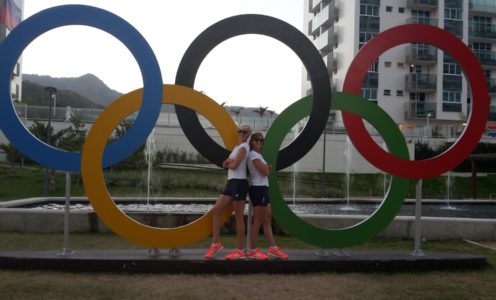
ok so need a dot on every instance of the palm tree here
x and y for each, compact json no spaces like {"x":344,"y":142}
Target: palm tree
{"x":261,"y":111}
{"x":237,"y":111}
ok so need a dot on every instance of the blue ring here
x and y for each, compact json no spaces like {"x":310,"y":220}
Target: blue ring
{"x":23,"y":34}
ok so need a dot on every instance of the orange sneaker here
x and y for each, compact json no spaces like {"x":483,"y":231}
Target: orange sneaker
{"x":277,"y":252}
{"x":212,"y":250}
{"x":236,"y":254}
{"x":257,"y":254}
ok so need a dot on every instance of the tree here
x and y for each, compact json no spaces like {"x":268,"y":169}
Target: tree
{"x":237,"y":111}
{"x":13,"y":156}
{"x":261,"y":111}
{"x":73,"y":137}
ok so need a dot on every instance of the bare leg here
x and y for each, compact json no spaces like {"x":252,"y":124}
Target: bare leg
{"x":267,"y":226}
{"x":239,"y":209}
{"x":255,"y":228}
{"x":219,"y":206}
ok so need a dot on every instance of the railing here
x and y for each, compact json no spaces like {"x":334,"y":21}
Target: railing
{"x":87,"y":115}
{"x":420,"y":82}
{"x":452,"y":107}
{"x":422,"y":20}
{"x":492,"y":113}
{"x":422,"y":4}
{"x":327,"y":40}
{"x":415,"y":110}
{"x":482,"y":30}
{"x":491,"y":84}
{"x":488,"y":6}
{"x":454,"y":26}
{"x":486,"y":58}
{"x":325,"y":17}
{"x":418,"y":53}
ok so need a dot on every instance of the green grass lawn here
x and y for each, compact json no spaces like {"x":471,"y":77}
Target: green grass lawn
{"x":458,"y":284}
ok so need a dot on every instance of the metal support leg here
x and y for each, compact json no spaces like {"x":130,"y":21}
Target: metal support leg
{"x":66,"y":250}
{"x":418,"y":224}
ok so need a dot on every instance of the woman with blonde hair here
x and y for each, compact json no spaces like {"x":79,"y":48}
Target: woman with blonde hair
{"x":235,"y":191}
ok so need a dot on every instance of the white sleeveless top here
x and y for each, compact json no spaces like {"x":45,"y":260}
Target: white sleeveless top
{"x":240,"y":171}
{"x":256,"y":177}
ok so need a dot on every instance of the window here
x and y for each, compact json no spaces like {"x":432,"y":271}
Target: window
{"x":450,"y":96}
{"x":452,"y":101}
{"x":401,"y":10}
{"x":387,"y":92}
{"x":370,"y":94}
{"x":374,"y":67}
{"x":453,"y":14}
{"x":400,"y":65}
{"x":387,"y":64}
{"x":389,"y":8}
{"x":417,"y":96}
{"x":422,"y":16}
{"x":399,"y":93}
{"x":369,"y":10}
{"x":364,"y":37}
{"x":452,"y":69}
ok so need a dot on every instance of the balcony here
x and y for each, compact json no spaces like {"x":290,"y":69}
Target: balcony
{"x":314,"y":5}
{"x":452,"y":107}
{"x":482,"y":31}
{"x":422,"y":20}
{"x":325,"y":18}
{"x":417,"y":82}
{"x":491,"y":85}
{"x":454,"y":26}
{"x":331,"y":63}
{"x":371,"y":80}
{"x":429,"y":5}
{"x":421,"y":54}
{"x":452,"y":82}
{"x":420,"y":110}
{"x":482,"y":6}
{"x":486,"y":58}
{"x":327,"y":41}
{"x":492,"y":113}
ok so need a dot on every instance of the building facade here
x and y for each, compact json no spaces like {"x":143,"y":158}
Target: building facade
{"x":11,"y":13}
{"x":419,"y":86}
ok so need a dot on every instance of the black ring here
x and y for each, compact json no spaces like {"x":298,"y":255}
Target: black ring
{"x":281,"y":31}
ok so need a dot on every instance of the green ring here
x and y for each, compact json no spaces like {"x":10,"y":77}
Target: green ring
{"x":368,"y":228}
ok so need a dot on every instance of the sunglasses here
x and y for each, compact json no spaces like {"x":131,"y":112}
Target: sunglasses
{"x":243,"y":131}
{"x":258,"y":140}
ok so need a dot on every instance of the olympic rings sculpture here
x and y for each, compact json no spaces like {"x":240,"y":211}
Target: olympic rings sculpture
{"x":97,"y":155}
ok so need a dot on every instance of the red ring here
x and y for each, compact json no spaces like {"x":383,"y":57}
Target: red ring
{"x":480,"y":103}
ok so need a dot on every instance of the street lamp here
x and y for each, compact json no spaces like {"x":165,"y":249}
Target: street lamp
{"x":51,"y":90}
{"x":427,"y":124}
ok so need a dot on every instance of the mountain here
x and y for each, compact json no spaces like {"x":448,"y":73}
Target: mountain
{"x":89,"y":86}
{"x":35,"y":94}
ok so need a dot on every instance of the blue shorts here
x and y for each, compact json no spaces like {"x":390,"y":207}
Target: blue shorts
{"x":259,"y":195}
{"x":236,"y":188}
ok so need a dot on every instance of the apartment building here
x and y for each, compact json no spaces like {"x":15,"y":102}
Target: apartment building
{"x":11,"y":12}
{"x":420,"y":87}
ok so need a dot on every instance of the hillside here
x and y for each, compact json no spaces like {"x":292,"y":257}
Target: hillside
{"x":34,"y":94}
{"x":88,"y":86}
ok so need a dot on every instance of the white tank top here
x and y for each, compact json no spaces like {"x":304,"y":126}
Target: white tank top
{"x":256,"y":177}
{"x":240,"y":171}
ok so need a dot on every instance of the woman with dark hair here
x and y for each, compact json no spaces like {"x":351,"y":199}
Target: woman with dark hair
{"x":259,"y":197}
{"x":235,"y":191}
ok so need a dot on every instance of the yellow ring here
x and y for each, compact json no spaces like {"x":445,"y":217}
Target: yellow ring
{"x":94,"y":183}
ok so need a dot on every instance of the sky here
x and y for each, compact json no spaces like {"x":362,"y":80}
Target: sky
{"x":248,"y":70}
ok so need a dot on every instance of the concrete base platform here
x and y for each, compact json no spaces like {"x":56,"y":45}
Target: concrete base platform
{"x":191,"y":261}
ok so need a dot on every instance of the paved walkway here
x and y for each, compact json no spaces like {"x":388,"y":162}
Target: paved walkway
{"x":191,"y":261}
